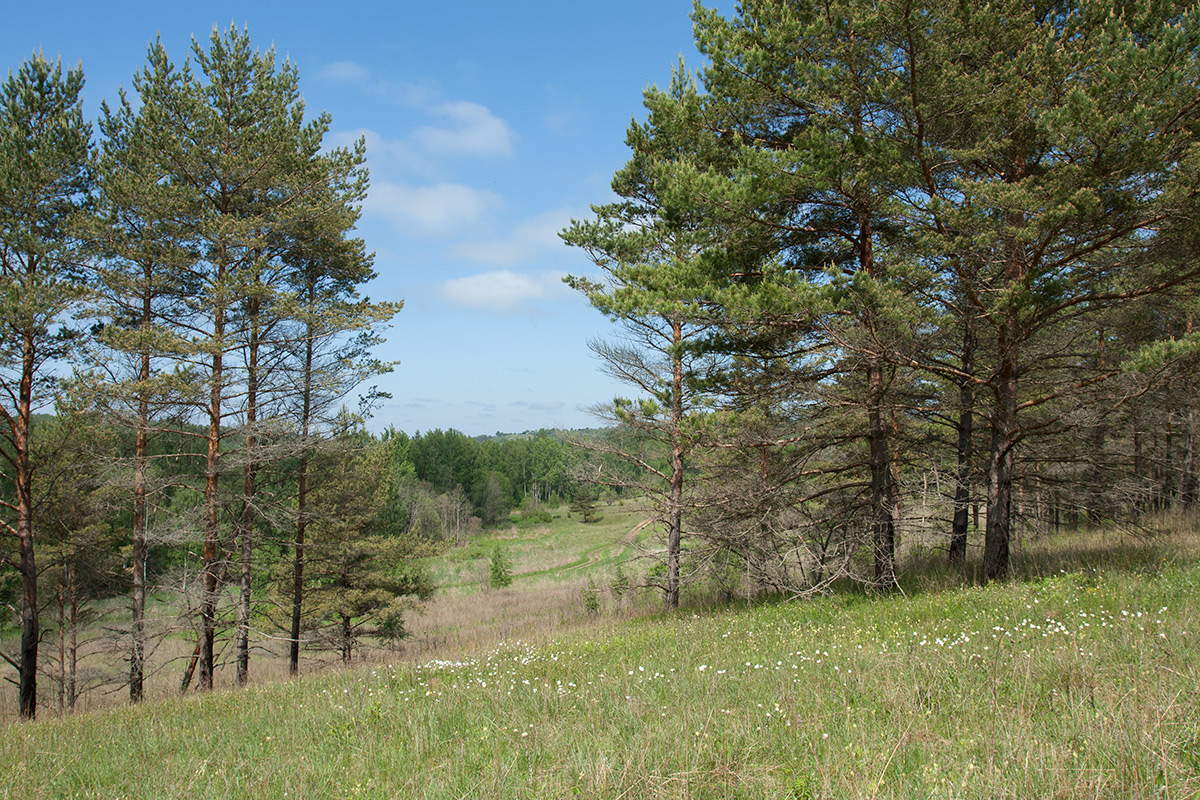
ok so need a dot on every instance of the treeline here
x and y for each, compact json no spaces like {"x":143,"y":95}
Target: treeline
{"x":896,"y":269}
{"x":452,"y":482}
{"x":194,"y":270}
{"x":359,"y":576}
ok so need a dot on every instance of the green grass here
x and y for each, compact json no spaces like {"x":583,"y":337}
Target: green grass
{"x":1082,"y":683}
{"x":562,"y":550}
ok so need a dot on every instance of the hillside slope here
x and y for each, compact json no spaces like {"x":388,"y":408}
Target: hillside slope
{"x":1082,"y":684}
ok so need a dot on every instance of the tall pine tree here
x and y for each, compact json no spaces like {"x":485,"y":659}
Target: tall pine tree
{"x":44,"y":176}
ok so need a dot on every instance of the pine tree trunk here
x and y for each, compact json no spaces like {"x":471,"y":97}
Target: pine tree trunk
{"x":1004,"y":385}
{"x":190,"y":669}
{"x":62,"y":641}
{"x":1000,"y":461}
{"x":883,"y":490}
{"x":137,"y":650}
{"x":675,"y":533}
{"x":246,"y":518}
{"x":30,"y":630}
{"x":73,"y":649}
{"x":208,"y":603}
{"x":883,"y":539}
{"x":1097,"y":493}
{"x":966,"y":424}
{"x":298,"y":565}
{"x":301,"y":506}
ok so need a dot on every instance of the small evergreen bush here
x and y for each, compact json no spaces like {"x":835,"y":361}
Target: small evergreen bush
{"x":500,"y":573}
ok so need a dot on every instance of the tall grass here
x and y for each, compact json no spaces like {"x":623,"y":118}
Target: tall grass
{"x":1081,"y":683}
{"x":552,"y":564}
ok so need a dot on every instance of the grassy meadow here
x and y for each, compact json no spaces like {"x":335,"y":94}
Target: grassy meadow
{"x":554,"y":552}
{"x":553,"y":563}
{"x":1080,"y":680}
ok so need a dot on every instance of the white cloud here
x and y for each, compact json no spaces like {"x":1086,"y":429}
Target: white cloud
{"x":346,"y":138}
{"x":411,"y":94}
{"x":535,"y":235}
{"x":473,"y":131}
{"x":437,"y":210}
{"x":344,"y":72}
{"x":502,"y":290}
{"x":381,"y":151}
{"x":466,"y":129}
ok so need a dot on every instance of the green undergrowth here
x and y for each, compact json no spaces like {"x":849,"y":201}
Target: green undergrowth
{"x":1079,"y":684}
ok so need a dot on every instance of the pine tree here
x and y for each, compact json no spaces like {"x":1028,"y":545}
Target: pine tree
{"x":583,"y":503}
{"x":234,"y":143}
{"x":651,"y":245}
{"x":360,"y":581}
{"x":139,"y":236}
{"x":44,"y":176}
{"x":499,"y":568}
{"x":333,"y":329}
{"x":924,"y":167}
{"x":80,"y":554}
{"x":1068,"y":131}
{"x":818,"y":170}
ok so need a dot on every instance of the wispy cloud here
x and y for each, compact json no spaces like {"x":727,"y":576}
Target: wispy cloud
{"x":355,"y":74}
{"x":456,"y":129}
{"x":344,"y":72}
{"x":381,"y":151}
{"x":438,"y":210}
{"x":503,"y":291}
{"x":547,"y":405}
{"x":565,"y":113}
{"x":473,"y":130}
{"x":530,"y":238}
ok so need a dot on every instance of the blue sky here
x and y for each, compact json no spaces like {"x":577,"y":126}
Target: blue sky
{"x":488,"y":124}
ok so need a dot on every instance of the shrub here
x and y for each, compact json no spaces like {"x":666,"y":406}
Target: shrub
{"x":591,"y":597}
{"x":500,"y":573}
{"x":619,"y":585}
{"x":533,"y":513}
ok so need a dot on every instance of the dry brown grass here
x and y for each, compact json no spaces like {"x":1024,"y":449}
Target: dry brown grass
{"x":452,"y":624}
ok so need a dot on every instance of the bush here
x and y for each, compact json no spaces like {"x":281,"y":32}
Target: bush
{"x":533,"y":513}
{"x":591,"y":597}
{"x":500,"y":573}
